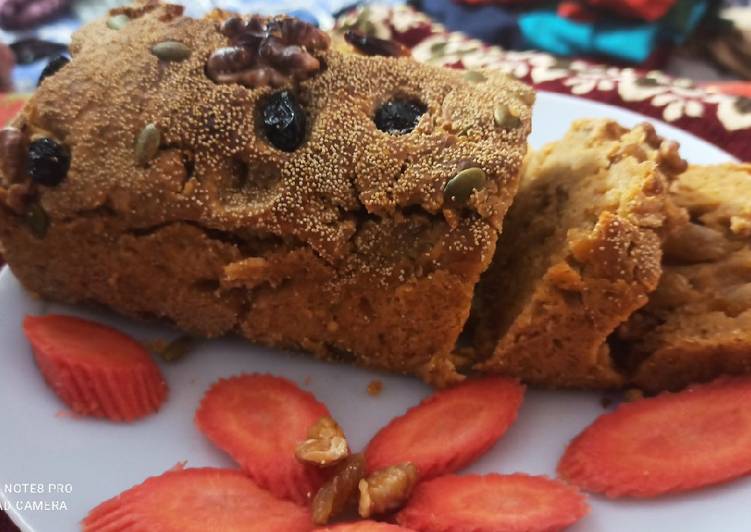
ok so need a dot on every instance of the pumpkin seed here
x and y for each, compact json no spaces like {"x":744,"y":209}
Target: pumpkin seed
{"x":437,"y":49}
{"x":505,"y":118}
{"x":475,"y":76}
{"x":171,"y":51}
{"x":460,"y":187}
{"x":37,"y":220}
{"x":147,"y":144}
{"x":118,"y":22}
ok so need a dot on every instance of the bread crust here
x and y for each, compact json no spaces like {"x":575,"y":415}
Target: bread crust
{"x":345,"y":247}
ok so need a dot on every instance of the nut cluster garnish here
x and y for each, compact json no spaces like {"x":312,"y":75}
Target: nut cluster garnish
{"x":334,"y":496}
{"x":387,"y":489}
{"x":325,"y":446}
{"x":267,"y":51}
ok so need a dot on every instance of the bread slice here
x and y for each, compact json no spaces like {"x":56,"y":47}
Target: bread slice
{"x":697,"y":324}
{"x":580,"y":251}
{"x":304,"y":198}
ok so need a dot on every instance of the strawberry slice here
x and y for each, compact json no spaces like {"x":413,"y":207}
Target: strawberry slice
{"x":364,"y":526}
{"x":670,"y":443}
{"x":259,"y":420}
{"x":493,"y":503}
{"x":449,"y":429}
{"x":197,"y":500}
{"x":96,"y":370}
{"x":10,"y":106}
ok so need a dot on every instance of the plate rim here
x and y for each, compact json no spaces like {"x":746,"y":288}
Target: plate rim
{"x":17,"y":517}
{"x":638,"y":116}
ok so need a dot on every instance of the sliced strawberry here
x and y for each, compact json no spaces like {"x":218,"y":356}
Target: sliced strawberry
{"x":96,"y":370}
{"x":449,"y":429}
{"x":364,"y":526}
{"x":10,"y":106}
{"x":259,"y":420}
{"x":493,"y":503}
{"x":197,"y":500}
{"x":672,"y":442}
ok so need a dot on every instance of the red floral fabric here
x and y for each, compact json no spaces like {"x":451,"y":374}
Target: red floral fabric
{"x":717,"y":117}
{"x":649,"y":10}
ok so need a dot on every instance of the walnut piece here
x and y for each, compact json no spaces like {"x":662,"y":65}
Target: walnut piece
{"x":267,"y":51}
{"x":325,"y":446}
{"x":333,"y":497}
{"x":386,"y":489}
{"x":669,"y":155}
{"x":372,"y":45}
{"x":650,"y":135}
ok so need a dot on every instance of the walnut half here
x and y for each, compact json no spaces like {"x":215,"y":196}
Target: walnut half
{"x":267,"y":51}
{"x":386,"y":489}
{"x":325,"y":446}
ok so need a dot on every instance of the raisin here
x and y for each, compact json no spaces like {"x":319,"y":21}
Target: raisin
{"x":47,"y":162}
{"x":52,"y":67}
{"x":399,"y":116}
{"x":284,"y":121}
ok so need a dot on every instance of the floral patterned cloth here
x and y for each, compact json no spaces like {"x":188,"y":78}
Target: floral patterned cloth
{"x":719,"y":118}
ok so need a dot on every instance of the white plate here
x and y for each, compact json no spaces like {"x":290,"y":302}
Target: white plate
{"x":99,"y":459}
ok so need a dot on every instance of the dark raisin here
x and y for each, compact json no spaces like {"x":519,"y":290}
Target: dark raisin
{"x":52,"y":67}
{"x":284,"y":121}
{"x":47,"y":162}
{"x":399,"y":116}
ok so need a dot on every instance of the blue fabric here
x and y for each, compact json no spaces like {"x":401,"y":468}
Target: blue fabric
{"x":626,"y":40}
{"x":489,"y":23}
{"x":25,"y":77}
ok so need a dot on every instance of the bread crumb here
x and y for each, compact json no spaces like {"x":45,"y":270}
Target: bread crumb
{"x":632,"y":394}
{"x":66,"y":414}
{"x":155,"y":346}
{"x":375,"y":387}
{"x":179,"y":466}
